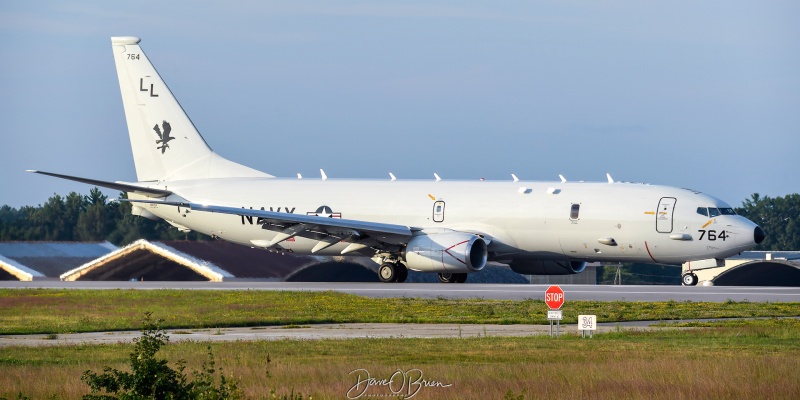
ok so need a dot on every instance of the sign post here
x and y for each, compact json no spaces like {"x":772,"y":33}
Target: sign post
{"x":587,"y":323}
{"x":554,"y":298}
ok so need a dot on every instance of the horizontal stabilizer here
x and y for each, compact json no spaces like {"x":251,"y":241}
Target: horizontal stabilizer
{"x":125,"y":187}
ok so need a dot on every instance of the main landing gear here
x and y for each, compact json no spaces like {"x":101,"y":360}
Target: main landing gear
{"x":393,"y":272}
{"x":397,"y":272}
{"x":452,"y":278}
{"x":689,"y":279}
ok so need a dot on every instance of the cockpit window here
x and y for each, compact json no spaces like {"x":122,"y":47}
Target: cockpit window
{"x":714,"y":212}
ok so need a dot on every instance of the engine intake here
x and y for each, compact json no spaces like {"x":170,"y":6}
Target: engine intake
{"x":449,"y":252}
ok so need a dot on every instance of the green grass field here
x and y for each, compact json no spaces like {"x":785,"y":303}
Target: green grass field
{"x":759,"y":359}
{"x":63,"y":311}
{"x":731,"y":359}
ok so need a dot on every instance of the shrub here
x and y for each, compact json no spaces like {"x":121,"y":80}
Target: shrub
{"x":152,"y":378}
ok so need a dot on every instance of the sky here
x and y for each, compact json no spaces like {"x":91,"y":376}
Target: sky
{"x":702,"y":95}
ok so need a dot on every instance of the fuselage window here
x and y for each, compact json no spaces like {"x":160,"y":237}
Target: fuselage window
{"x":702,"y":211}
{"x":574,"y":211}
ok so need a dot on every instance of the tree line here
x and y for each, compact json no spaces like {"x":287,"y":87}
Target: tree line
{"x":778,"y":216}
{"x":92,"y":217}
{"x":79,"y":217}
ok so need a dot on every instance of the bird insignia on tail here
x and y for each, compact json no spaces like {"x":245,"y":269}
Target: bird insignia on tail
{"x":163,"y":138}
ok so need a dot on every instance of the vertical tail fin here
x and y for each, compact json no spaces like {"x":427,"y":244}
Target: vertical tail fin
{"x":165,"y":143}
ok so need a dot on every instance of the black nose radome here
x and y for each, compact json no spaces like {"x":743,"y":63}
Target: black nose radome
{"x":759,"y":235}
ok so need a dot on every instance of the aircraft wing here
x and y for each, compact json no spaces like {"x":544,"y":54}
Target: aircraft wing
{"x":329,"y":231}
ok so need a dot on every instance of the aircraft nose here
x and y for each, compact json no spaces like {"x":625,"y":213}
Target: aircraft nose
{"x":759,"y":235}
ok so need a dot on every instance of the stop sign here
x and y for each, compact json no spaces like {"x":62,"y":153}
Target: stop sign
{"x":554,"y":297}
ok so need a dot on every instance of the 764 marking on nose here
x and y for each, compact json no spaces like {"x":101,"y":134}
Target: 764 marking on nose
{"x":712,"y":235}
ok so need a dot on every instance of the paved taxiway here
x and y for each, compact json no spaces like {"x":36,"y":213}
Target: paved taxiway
{"x":310,"y":332}
{"x":326,"y":331}
{"x":487,"y":291}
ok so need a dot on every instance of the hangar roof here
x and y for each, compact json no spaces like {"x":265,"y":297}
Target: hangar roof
{"x":762,"y":255}
{"x":241,"y":261}
{"x":41,"y":260}
{"x":143,"y":258}
{"x":187,"y":260}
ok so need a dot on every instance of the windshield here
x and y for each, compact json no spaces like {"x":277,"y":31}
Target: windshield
{"x":714,"y":212}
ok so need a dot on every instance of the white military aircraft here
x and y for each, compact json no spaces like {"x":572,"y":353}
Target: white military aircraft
{"x":452,"y":228}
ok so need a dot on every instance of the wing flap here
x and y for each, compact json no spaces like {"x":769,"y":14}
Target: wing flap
{"x":287,"y":234}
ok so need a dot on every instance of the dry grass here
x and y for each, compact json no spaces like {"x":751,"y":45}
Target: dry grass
{"x":753,"y":361}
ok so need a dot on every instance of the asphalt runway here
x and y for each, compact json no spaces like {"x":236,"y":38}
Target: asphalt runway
{"x":458,"y":291}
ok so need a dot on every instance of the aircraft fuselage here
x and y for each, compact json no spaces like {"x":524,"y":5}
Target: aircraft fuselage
{"x":546,"y":220}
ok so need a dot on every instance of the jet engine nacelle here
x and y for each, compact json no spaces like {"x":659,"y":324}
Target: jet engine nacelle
{"x":547,"y":267}
{"x":448,"y":252}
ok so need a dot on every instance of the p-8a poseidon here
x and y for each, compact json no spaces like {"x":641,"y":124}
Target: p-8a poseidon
{"x":452,"y":228}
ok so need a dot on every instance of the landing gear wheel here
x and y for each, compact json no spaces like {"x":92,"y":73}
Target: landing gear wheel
{"x":402,"y":272}
{"x":446,"y":277}
{"x":689,"y":279}
{"x":388,"y":272}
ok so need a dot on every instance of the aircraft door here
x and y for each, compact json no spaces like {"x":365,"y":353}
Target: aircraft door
{"x":666,"y":207}
{"x":438,"y":211}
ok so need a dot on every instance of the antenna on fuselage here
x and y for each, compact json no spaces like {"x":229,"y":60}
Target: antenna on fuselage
{"x":299,"y":176}
{"x":435,"y":175}
{"x":515,"y":178}
{"x":610,"y":179}
{"x":391,"y":175}
{"x":562,"y":178}
{"x":322,"y":172}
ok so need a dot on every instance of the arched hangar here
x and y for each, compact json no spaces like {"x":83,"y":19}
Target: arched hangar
{"x":761,"y":273}
{"x":144,"y":260}
{"x":751,"y":268}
